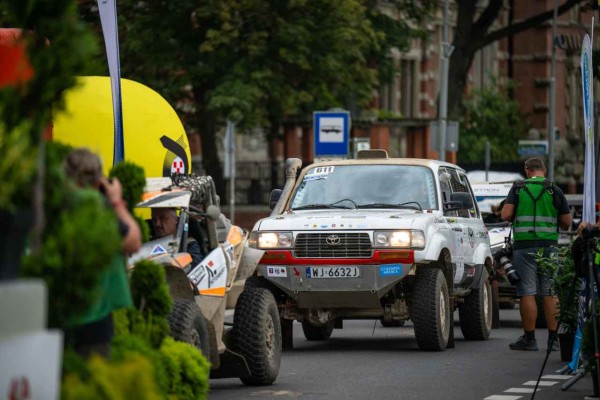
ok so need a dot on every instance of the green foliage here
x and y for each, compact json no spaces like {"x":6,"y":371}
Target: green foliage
{"x":144,"y":228}
{"x":397,"y":23}
{"x":133,"y":180}
{"x":565,"y":284}
{"x":74,"y":254}
{"x":125,"y":345}
{"x":187,"y":370}
{"x":57,"y":51}
{"x":17,"y":165}
{"x":149,"y":289}
{"x":131,"y":378}
{"x":491,"y":115}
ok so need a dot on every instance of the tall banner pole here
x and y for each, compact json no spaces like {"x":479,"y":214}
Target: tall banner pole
{"x":589,"y":186}
{"x":108,"y":19}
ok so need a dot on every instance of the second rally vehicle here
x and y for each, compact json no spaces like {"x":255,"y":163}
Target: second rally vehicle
{"x":377,"y":238}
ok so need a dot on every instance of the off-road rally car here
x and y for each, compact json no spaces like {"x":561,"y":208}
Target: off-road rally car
{"x":249,"y":349}
{"x":377,"y":238}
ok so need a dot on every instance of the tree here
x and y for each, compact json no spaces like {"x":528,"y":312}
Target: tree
{"x":257,"y":62}
{"x":491,"y":115}
{"x":473,"y":33}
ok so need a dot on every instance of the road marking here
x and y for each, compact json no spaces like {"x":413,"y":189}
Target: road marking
{"x":542,"y":383}
{"x":520,"y":390}
{"x":557,"y":377}
{"x":502,"y":397}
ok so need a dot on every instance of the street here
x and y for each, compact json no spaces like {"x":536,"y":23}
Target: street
{"x":368,"y":361}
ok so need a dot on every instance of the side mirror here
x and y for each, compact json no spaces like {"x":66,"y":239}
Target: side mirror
{"x":274,"y":197}
{"x":459,"y":201}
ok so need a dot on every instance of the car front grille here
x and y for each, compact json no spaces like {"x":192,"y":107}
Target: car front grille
{"x":333,"y":245}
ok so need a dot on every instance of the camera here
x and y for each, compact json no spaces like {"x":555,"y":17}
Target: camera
{"x":503,"y":258}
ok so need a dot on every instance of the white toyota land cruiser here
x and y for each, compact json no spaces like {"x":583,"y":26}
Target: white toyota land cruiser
{"x":377,"y":238}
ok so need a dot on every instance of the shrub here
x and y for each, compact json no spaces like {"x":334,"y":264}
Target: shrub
{"x":187,"y":370}
{"x":130,"y":378}
{"x":74,"y":254}
{"x":133,"y":180}
{"x":149,"y":289}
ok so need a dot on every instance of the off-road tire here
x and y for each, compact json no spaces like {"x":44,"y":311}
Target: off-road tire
{"x":431,"y":309}
{"x":540,"y":322}
{"x":395,"y":323}
{"x":257,"y":335}
{"x":188,"y":325}
{"x":313,"y":332}
{"x":475,"y":312}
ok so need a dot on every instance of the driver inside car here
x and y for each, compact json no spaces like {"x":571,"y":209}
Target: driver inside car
{"x":164,"y":221}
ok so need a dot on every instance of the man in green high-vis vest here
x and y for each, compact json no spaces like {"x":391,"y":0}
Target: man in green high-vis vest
{"x":537,"y":208}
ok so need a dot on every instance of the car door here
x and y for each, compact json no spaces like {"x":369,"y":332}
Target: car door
{"x":463,"y":223}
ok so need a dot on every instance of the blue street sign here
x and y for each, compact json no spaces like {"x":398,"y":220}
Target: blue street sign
{"x":332,"y":133}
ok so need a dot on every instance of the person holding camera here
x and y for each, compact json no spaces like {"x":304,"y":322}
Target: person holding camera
{"x":93,"y":331}
{"x":537,"y":208}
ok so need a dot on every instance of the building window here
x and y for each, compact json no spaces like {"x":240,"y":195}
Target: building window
{"x":408,"y":88}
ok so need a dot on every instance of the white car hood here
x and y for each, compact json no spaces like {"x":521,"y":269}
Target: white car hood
{"x":342,"y":219}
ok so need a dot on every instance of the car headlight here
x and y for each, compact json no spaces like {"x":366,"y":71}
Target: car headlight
{"x":271,"y":240}
{"x":399,"y":239}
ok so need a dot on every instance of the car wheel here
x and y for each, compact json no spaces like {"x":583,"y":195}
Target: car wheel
{"x":431,"y":309}
{"x":188,"y":325}
{"x":313,"y":332}
{"x":475,"y":312}
{"x":257,"y":335}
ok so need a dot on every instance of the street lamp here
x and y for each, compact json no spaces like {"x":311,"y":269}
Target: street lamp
{"x":445,"y":55}
{"x":551,"y":131}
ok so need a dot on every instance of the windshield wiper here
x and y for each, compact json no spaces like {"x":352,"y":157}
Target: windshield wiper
{"x":413,"y":205}
{"x":310,"y":206}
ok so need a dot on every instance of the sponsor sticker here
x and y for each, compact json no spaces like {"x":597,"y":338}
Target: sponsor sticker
{"x":279,"y":272}
{"x":158,"y":249}
{"x":390,"y":270}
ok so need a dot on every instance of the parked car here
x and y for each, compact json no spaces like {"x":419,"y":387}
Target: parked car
{"x":388,"y":239}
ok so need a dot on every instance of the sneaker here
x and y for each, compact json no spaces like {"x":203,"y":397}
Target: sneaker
{"x":554,"y":346}
{"x":523,"y":344}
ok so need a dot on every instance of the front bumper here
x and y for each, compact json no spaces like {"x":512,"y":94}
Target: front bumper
{"x":377,"y":276}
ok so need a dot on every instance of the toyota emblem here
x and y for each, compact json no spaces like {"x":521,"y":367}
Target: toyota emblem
{"x":333,"y":240}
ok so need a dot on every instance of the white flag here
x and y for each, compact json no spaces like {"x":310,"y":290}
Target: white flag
{"x":108,"y":19}
{"x":589,"y":175}
{"x":229,"y":151}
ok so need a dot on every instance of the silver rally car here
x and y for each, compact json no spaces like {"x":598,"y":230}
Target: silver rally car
{"x":377,"y":238}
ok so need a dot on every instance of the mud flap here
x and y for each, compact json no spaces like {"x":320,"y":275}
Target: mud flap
{"x":287,"y":334}
{"x":450,"y":344}
{"x":495,"y":306}
{"x":233,"y":365}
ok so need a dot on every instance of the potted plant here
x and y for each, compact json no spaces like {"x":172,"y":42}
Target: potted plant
{"x":565,"y":284}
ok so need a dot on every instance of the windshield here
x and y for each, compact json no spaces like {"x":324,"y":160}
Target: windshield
{"x":366,"y":186}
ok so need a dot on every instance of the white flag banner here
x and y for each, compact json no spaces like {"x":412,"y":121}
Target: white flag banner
{"x":108,"y":19}
{"x":229,"y":151}
{"x":589,"y":175}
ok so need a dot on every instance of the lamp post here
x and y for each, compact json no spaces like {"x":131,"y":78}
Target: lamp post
{"x":551,"y":131}
{"x":443,"y":107}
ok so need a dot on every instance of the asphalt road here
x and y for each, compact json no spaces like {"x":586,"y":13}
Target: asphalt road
{"x":367,"y":361}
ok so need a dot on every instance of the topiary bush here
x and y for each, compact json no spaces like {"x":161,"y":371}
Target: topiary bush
{"x":149,"y":289}
{"x":75,"y":252}
{"x":187,"y":370}
{"x":132,"y":377}
{"x":133,"y":180}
